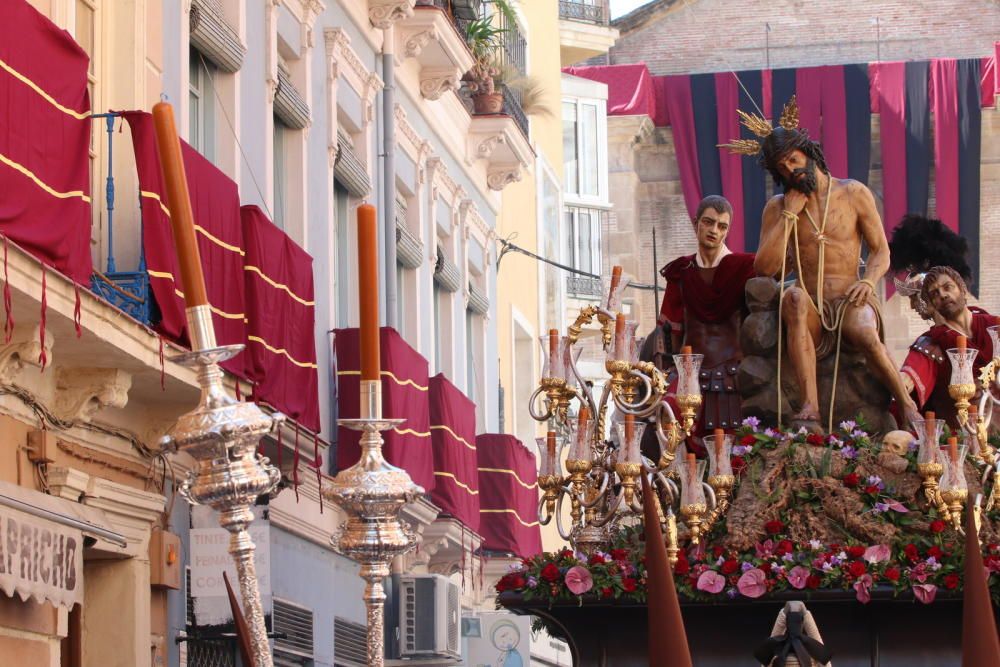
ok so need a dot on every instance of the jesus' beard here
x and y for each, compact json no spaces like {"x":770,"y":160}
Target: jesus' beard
{"x":807,"y":184}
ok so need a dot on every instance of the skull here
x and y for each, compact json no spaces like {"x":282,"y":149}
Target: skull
{"x":897,"y":442}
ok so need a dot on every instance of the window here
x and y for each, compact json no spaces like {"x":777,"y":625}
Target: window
{"x":201,"y":106}
{"x":85,"y":32}
{"x":279,"y":173}
{"x":583,"y":245}
{"x":470,"y":355}
{"x":549,"y":242}
{"x":439,"y":296}
{"x":583,"y":151}
{"x":344,"y":248}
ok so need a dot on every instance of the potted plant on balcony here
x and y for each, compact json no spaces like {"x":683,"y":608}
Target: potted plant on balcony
{"x":486,"y":40}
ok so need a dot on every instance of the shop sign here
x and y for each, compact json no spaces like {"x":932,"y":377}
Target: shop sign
{"x":40,"y":559}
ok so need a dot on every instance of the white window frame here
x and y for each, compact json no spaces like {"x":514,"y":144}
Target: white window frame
{"x":201,"y":134}
{"x":545,"y":171}
{"x":573,"y":234}
{"x":601,"y":198}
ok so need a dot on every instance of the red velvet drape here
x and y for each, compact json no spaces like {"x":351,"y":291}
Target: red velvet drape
{"x":508,"y":496}
{"x":453,"y":439}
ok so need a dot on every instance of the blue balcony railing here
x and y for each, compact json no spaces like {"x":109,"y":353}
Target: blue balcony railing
{"x":127,"y":290}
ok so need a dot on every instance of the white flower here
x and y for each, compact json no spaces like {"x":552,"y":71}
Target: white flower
{"x":816,"y":545}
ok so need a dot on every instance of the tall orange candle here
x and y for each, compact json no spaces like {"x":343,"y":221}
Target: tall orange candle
{"x":583,"y":416}
{"x":929,"y":416}
{"x":553,"y":350}
{"x":962,"y":343}
{"x":179,"y":201}
{"x":550,"y":445}
{"x":368,"y":291}
{"x":691,"y":466}
{"x":953,"y":449}
{"x":616,"y":277}
{"x":686,"y":349}
{"x":720,"y":441}
{"x":629,"y":429}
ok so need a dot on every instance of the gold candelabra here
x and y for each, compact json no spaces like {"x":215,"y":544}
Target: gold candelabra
{"x":372,"y":493}
{"x":601,"y":475}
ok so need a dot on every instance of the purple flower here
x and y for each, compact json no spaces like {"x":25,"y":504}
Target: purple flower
{"x":751,"y":422}
{"x":858,"y":434}
{"x":815,"y":545}
{"x":788,"y":558}
{"x":532,"y":582}
{"x":849,"y":453}
{"x":879,"y":508}
{"x":834,"y":441}
{"x":914,"y":445}
{"x":770,"y":432}
{"x":875,"y":480}
{"x":740,"y":450}
{"x":746,"y":566}
{"x":732,"y":593}
{"x":848,"y":425}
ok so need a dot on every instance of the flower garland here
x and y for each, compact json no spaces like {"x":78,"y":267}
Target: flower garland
{"x":923,"y":563}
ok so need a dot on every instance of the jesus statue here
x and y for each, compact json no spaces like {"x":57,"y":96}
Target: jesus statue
{"x":816,"y":229}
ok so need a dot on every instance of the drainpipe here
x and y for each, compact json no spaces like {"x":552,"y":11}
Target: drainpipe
{"x":389,"y":173}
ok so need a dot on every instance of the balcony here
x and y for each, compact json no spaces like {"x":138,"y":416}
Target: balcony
{"x":434,"y":38}
{"x":500,"y":141}
{"x":584,"y":287}
{"x":584,"y":30}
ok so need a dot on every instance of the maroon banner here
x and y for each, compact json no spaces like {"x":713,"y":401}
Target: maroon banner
{"x":508,"y":496}
{"x":44,"y":141}
{"x":453,"y":439}
{"x":281,"y":343}
{"x":215,"y":200}
{"x":404,"y":396}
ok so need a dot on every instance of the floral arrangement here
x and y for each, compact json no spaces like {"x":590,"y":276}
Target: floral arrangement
{"x":928,"y":558}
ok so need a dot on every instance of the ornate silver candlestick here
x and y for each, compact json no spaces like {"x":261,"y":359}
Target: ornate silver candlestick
{"x":372,"y":492}
{"x":221,"y":434}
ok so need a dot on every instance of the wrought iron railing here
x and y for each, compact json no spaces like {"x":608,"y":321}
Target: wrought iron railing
{"x":573,"y":10}
{"x":127,"y":290}
{"x":512,"y":107}
{"x":584,"y":287}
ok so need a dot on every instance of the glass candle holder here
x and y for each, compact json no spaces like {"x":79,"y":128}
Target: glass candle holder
{"x":994,"y":332}
{"x":952,"y":458}
{"x":688,"y":367}
{"x":692,"y":472}
{"x":963,"y":365}
{"x":614,"y":289}
{"x":624,"y":346}
{"x":629,"y":439}
{"x":928,"y":436}
{"x":570,"y":357}
{"x":548,"y":455}
{"x":580,"y":432}
{"x":552,"y":358}
{"x":720,"y":450}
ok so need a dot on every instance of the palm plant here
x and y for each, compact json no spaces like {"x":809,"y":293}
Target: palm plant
{"x":486,"y":40}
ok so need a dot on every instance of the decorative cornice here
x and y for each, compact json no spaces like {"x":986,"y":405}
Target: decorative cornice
{"x":383,"y":13}
{"x":338,"y":49}
{"x":416,"y":42}
{"x":81,"y":392}
{"x":486,"y":147}
{"x":25,"y":348}
{"x":436,"y":82}
{"x":499,"y":178}
{"x":439,"y":177}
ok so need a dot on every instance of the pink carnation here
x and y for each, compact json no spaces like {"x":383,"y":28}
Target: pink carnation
{"x":925,"y":592}
{"x":797,"y":577}
{"x":711,"y":581}
{"x":877,"y":553}
{"x":578,"y":580}
{"x":753,"y":583}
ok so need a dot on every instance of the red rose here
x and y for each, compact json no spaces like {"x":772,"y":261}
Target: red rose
{"x":774,"y":527}
{"x":856,"y":551}
{"x":892,"y":574}
{"x":607,"y":592}
{"x":951,"y":581}
{"x":629,"y":584}
{"x":597,"y":559}
{"x":937,"y":526}
{"x":813,"y":581}
{"x":550,"y":572}
{"x":717,"y":551}
{"x":871,"y":490}
{"x":936,"y":552}
{"x":851,"y":480}
{"x":565,"y":553}
{"x":911,"y":552}
{"x":739,"y":464}
{"x":765,"y":568}
{"x":619,"y":554}
{"x":682,"y":566}
{"x":748,"y":440}
{"x":815,"y":439}
{"x":857,"y":568}
{"x":730,"y":566}
{"x":784,"y":547}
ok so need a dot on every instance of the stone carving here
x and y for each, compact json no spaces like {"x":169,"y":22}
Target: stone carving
{"x":81,"y":392}
{"x":857,"y":394}
{"x":416,"y":42}
{"x":500,"y":178}
{"x":25,"y":347}
{"x":383,"y":13}
{"x":435,"y":83}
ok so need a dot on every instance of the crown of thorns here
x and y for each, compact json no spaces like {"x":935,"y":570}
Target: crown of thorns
{"x":762,"y":128}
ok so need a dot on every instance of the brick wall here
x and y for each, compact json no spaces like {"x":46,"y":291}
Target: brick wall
{"x":680,"y":38}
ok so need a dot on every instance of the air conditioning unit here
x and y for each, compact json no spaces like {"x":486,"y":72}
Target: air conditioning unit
{"x":429,"y":617}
